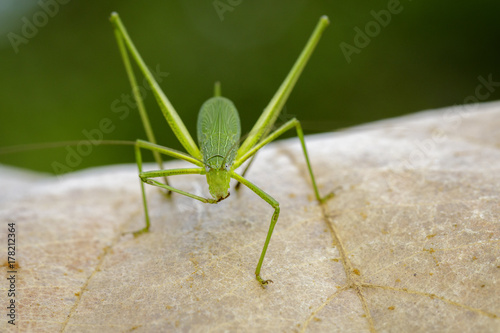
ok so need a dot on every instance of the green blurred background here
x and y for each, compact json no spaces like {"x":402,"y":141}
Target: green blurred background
{"x":64,"y":79}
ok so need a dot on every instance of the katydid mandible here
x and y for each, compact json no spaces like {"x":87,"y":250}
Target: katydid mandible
{"x":218,"y":154}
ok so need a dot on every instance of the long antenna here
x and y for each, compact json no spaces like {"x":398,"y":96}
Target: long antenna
{"x":49,"y":145}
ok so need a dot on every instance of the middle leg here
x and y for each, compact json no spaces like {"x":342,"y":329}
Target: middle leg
{"x":285,"y":127}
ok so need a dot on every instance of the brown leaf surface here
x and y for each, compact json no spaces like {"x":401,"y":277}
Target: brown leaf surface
{"x":409,"y":243}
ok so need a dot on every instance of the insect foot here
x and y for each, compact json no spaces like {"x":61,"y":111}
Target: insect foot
{"x":140,"y":232}
{"x":263,"y":282}
{"x":327,"y":197}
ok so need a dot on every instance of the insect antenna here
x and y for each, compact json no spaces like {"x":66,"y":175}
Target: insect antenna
{"x":49,"y":145}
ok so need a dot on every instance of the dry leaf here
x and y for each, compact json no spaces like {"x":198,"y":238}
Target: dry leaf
{"x":409,"y":243}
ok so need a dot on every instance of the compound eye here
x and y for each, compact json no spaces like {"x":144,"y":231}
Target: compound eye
{"x":227,"y":167}
{"x":207,"y":168}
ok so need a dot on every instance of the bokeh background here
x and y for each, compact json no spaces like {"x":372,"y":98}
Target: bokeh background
{"x":65,"y":78}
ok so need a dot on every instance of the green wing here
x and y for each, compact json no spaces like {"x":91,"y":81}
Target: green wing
{"x":219,"y":132}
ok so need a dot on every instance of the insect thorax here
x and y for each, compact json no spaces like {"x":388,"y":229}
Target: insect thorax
{"x":219,"y":132}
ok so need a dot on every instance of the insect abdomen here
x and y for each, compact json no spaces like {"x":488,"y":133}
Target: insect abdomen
{"x":219,"y":132}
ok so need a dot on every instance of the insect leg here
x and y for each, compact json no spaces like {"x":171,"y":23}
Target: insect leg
{"x":275,"y":204}
{"x":168,"y":151}
{"x":145,"y":176}
{"x":138,"y":98}
{"x":166,"y":107}
{"x":273,"y":109}
{"x":285,"y":127}
{"x":237,"y":186}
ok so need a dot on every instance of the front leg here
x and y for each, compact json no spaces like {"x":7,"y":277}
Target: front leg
{"x":275,"y":204}
{"x":146,"y":177}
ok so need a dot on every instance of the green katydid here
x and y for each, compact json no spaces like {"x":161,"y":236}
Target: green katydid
{"x":218,"y":155}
